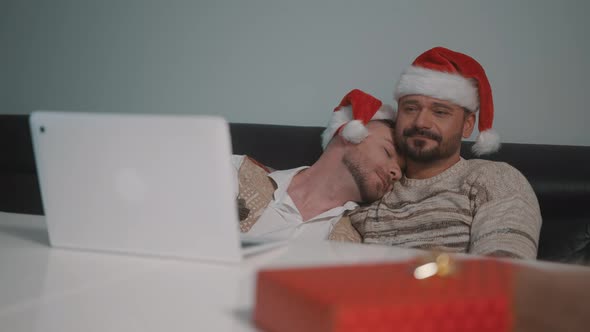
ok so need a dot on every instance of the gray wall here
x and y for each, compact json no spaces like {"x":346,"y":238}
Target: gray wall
{"x":6,"y":61}
{"x":290,"y":62}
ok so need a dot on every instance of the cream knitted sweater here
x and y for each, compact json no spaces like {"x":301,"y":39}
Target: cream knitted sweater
{"x":476,"y":206}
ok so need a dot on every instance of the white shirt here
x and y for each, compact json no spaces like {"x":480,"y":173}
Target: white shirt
{"x":282,"y":220}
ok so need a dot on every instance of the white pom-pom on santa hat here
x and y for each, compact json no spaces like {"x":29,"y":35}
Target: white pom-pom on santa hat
{"x":355,"y":131}
{"x":349,"y":118}
{"x":444,"y":74}
{"x":487,"y":141}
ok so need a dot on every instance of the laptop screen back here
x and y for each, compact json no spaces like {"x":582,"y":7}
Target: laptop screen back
{"x":143,"y":184}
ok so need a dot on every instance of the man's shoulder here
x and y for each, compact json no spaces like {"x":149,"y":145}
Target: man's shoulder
{"x":491,"y":169}
{"x":255,"y":191}
{"x":498,"y":177}
{"x":248,"y":161}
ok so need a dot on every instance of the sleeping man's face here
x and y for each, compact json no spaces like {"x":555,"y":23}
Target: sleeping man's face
{"x":374,"y":163}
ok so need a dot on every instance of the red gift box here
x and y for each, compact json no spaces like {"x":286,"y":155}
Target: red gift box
{"x":385,"y":297}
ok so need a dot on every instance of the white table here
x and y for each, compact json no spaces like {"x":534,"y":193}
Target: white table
{"x":46,"y":289}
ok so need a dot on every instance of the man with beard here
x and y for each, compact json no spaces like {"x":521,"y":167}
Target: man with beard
{"x":444,"y":202}
{"x":358,"y":165}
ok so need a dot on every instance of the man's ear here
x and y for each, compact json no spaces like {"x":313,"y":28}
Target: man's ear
{"x":468,"y":124}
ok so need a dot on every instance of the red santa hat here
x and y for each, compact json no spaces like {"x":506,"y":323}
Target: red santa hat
{"x":444,"y":74}
{"x":349,"y":118}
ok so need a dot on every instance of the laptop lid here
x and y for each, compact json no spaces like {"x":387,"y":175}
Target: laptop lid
{"x":142,"y":184}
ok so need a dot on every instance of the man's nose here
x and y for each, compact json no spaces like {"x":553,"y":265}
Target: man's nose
{"x":395,"y":173}
{"x":422,"y":119}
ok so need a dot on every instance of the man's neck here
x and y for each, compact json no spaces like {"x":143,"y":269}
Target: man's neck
{"x":319,"y":189}
{"x":420,"y":170}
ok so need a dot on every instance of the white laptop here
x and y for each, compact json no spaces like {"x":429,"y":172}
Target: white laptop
{"x":141,"y":184}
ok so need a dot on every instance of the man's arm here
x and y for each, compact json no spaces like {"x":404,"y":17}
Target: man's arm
{"x":507,"y":219}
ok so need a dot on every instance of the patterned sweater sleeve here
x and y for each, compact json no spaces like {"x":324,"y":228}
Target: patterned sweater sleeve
{"x":507,"y":218}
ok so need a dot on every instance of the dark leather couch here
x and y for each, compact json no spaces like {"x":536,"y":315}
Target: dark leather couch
{"x":560,"y":176}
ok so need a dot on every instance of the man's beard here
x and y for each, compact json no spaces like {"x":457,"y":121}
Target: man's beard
{"x":360,"y":178}
{"x":444,"y":149}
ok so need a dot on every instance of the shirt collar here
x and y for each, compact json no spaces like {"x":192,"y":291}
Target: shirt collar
{"x":283,"y":180}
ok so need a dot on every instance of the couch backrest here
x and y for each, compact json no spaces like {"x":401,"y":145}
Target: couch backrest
{"x":19,"y":189}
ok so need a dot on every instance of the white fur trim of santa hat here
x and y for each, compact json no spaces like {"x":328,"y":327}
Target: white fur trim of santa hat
{"x":338,"y":119}
{"x":353,"y":131}
{"x":440,"y":85}
{"x":385,"y":112}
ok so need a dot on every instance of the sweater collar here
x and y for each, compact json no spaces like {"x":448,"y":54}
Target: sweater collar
{"x":457,"y":167}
